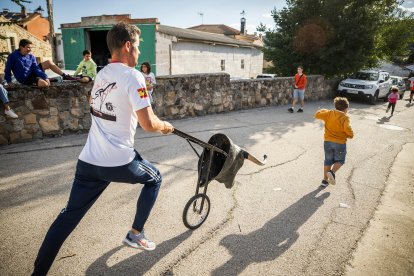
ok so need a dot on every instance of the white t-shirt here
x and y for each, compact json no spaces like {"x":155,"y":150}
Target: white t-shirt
{"x":149,"y":79}
{"x":118,"y":92}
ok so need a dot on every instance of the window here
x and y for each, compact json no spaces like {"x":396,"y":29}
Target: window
{"x":12,"y":44}
{"x":223,"y":65}
{"x":242,"y":64}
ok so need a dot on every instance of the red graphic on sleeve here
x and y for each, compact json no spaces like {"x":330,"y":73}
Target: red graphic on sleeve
{"x":143,"y":93}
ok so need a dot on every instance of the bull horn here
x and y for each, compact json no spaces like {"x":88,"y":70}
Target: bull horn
{"x":254,"y":159}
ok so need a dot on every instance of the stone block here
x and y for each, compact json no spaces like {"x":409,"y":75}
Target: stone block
{"x":40,"y":102}
{"x":43,"y":112}
{"x":26,"y":135}
{"x":53,"y":111}
{"x":3,"y":140}
{"x":77,"y":112}
{"x":16,"y":125}
{"x":14,"y":137}
{"x":49,"y":125}
{"x":74,"y":124}
{"x":30,"y":119}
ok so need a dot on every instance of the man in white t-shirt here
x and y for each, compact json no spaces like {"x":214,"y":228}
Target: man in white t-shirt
{"x":119,"y":100}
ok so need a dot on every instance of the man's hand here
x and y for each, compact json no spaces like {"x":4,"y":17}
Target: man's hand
{"x":168,"y":128}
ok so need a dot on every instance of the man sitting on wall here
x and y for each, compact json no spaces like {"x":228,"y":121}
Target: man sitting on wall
{"x":25,"y":68}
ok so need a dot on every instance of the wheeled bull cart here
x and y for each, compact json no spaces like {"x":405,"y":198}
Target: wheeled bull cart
{"x":220,"y":160}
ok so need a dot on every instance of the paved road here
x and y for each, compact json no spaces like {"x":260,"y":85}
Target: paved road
{"x":275,"y":221}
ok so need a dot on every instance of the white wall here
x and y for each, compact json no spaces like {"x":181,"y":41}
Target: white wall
{"x":59,"y":50}
{"x":190,"y":58}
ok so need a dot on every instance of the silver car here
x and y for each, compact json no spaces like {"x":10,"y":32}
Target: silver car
{"x":399,"y":82}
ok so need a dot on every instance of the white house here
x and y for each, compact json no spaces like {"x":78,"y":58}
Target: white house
{"x":185,"y":51}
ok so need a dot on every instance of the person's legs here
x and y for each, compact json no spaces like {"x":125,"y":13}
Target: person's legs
{"x":85,"y":191}
{"x":329,"y":159}
{"x":84,"y":79}
{"x":294,"y":101}
{"x":392,"y":108}
{"x":48,"y":64}
{"x":3,"y":96}
{"x":411,"y":95}
{"x":388,"y":108}
{"x":42,"y":83}
{"x":301,"y":96}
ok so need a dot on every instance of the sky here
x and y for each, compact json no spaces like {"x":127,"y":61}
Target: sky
{"x":177,"y":13}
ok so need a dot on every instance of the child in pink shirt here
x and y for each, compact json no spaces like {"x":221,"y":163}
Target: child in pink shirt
{"x":392,"y":99}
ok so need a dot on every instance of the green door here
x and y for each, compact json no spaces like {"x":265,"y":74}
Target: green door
{"x":147,"y":46}
{"x":73,"y":46}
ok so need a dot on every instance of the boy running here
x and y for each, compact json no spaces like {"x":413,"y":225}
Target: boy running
{"x":337,"y":131}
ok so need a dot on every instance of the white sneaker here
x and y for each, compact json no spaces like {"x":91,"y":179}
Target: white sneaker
{"x":11,"y":113}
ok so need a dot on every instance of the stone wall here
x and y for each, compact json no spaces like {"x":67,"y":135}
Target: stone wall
{"x":53,"y":111}
{"x":181,"y":96}
{"x":64,"y":107}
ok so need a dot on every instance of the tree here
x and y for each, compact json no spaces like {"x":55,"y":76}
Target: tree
{"x":329,"y":37}
{"x":3,"y":55}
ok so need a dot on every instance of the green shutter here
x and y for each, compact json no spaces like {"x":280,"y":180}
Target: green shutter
{"x":73,"y":46}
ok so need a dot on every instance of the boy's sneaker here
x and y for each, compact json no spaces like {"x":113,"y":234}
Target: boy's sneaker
{"x":11,"y":113}
{"x":324,"y":183}
{"x":300,"y":110}
{"x":68,"y":77}
{"x":291,"y":110}
{"x":139,"y":241}
{"x":331,"y":177}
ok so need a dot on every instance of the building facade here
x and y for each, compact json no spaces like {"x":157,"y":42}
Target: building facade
{"x":13,"y":34}
{"x":169,"y":50}
{"x":184,"y":51}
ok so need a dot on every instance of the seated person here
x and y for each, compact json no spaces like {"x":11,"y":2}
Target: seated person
{"x":7,"y":110}
{"x":25,"y":68}
{"x":87,"y":68}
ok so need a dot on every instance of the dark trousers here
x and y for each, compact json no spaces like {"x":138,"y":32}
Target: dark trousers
{"x":392,"y":105}
{"x":89,"y":183}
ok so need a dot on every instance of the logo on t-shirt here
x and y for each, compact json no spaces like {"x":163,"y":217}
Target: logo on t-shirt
{"x":99,"y":98}
{"x":142,"y":92}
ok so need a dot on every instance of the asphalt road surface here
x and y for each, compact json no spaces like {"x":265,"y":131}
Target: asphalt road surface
{"x":276,"y":220}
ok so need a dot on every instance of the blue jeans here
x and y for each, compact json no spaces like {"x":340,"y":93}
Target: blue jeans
{"x":89,"y":183}
{"x":334,"y":153}
{"x":299,"y":94}
{"x":3,"y":94}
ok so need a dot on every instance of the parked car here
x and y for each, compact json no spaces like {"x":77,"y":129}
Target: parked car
{"x":399,"y":82}
{"x":266,"y":76}
{"x":367,"y":84}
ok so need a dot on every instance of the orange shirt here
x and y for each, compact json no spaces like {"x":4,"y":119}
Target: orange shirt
{"x":337,"y":127}
{"x":300,"y":81}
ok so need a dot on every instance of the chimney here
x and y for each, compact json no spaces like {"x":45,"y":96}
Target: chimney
{"x":24,"y":11}
{"x":243,"y":23}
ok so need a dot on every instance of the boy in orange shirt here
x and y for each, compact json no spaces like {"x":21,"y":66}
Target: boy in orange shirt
{"x":300,"y":82}
{"x":337,"y":131}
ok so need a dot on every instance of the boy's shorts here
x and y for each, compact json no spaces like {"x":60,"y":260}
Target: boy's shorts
{"x":299,"y":94}
{"x":334,"y":153}
{"x":33,"y":79}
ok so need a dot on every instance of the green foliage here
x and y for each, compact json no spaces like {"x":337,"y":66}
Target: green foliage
{"x":335,"y":37}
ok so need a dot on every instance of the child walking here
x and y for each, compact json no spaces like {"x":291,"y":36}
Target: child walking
{"x":392,"y":99}
{"x":337,"y":131}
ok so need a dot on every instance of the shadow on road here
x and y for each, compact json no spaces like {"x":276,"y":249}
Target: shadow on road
{"x":384,"y":119}
{"x":139,"y":262}
{"x":274,"y":238}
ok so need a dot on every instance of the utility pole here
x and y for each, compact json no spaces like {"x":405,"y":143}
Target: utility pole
{"x":202,"y":17}
{"x":52,"y":36}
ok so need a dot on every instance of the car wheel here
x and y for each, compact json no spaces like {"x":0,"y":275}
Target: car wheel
{"x":373,"y":99}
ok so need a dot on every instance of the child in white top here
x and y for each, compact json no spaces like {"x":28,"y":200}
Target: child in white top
{"x":149,"y":78}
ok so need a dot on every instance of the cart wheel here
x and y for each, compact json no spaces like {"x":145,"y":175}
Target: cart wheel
{"x":196,"y":211}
